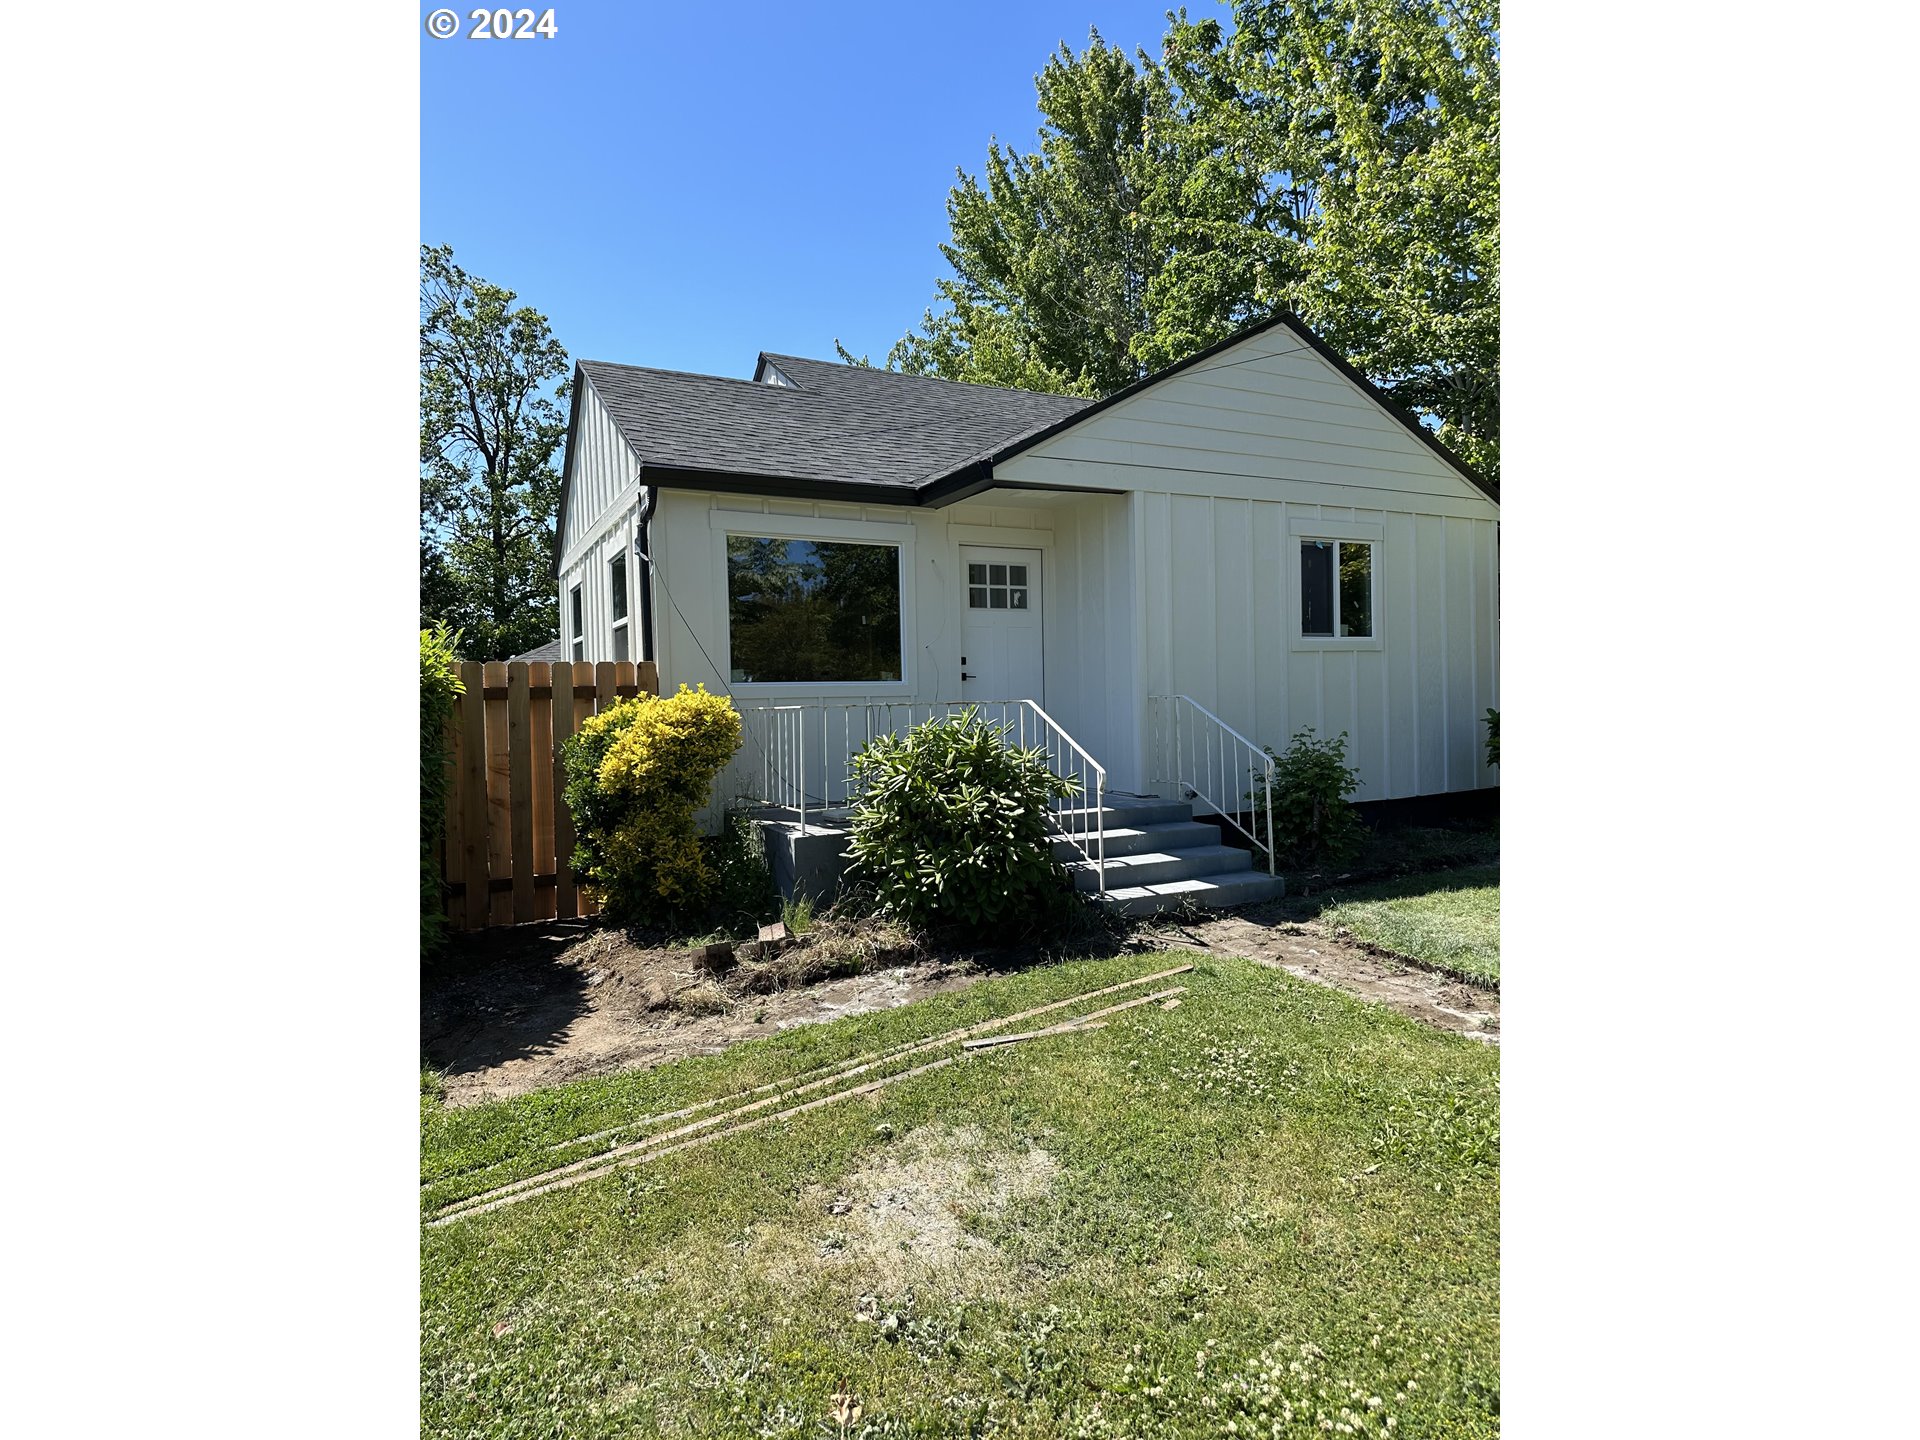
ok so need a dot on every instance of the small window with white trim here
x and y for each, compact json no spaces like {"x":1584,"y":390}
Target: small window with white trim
{"x":617,"y":574}
{"x":579,"y":626}
{"x":1336,"y":589}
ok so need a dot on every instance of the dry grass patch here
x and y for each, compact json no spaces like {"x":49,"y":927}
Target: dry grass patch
{"x":907,"y":1212}
{"x":830,"y":949}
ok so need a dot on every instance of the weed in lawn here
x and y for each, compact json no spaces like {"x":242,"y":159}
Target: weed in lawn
{"x":797,"y":914}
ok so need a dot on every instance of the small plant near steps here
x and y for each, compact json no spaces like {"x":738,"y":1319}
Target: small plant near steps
{"x":1159,"y":858}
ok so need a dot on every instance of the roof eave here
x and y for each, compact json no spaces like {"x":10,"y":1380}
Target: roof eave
{"x":790,"y":487}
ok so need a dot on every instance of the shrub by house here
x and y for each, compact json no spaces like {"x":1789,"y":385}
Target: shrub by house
{"x":1312,"y":818}
{"x":951,"y":827}
{"x":637,"y":773}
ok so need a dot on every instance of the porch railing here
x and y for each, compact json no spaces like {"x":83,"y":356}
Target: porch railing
{"x":800,"y":758}
{"x":1193,"y":748}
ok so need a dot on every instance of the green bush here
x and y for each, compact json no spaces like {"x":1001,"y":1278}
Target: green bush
{"x":951,"y":827}
{"x":1493,"y":737}
{"x":1312,"y":820}
{"x":636,"y":774}
{"x":439,"y":687}
{"x":743,"y":894}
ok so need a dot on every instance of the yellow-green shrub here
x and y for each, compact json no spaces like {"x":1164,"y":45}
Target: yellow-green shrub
{"x":636,"y":774}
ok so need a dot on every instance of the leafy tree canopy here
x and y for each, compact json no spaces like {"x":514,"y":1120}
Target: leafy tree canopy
{"x":491,"y":429}
{"x":1339,"y":158}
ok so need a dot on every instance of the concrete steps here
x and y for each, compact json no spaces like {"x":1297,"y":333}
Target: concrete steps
{"x":1139,"y":839}
{"x":1159,"y":858}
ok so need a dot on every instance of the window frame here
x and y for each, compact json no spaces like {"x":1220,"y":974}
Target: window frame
{"x":618,"y":629}
{"x":577,"y":613}
{"x":1336,"y":533}
{"x":754,"y":525}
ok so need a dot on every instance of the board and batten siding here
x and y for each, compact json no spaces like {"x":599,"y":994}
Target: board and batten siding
{"x":603,"y":496}
{"x":601,"y":471}
{"x":1220,"y":462}
{"x":1091,"y":665}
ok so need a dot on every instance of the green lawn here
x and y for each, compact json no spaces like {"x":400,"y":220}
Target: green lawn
{"x":1270,"y":1205}
{"x":1450,"y":918}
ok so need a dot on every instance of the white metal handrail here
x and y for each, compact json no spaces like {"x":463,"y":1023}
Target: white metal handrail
{"x":1195,"y":749}
{"x":803,"y":757}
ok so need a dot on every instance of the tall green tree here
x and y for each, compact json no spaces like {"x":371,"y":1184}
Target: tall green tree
{"x":1339,"y":158}
{"x":491,"y":428}
{"x":1372,"y":131}
{"x":1057,"y":254}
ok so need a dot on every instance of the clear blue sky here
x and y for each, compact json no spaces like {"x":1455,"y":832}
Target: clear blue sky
{"x":685,"y":186}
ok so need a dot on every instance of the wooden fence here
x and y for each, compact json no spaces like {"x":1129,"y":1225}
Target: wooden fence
{"x":509,"y":836}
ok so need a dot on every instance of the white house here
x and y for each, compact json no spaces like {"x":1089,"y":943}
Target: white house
{"x":1247,"y":544}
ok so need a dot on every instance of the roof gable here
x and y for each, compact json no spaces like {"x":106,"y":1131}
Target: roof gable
{"x":978,"y":472}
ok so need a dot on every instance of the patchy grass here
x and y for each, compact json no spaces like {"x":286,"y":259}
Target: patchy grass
{"x":1272,"y":1206}
{"x":1451,"y":918}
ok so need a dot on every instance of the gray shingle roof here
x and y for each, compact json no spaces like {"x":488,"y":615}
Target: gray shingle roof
{"x":842,"y":423}
{"x":549,"y":651}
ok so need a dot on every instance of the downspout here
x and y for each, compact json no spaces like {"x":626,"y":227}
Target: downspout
{"x":649,"y":495}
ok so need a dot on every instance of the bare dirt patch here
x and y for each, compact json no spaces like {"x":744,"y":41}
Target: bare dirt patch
{"x":907,"y":1210}
{"x":535,"y":1005}
{"x":903,"y":1222}
{"x":520,"y":1009}
{"x":1267,"y":936}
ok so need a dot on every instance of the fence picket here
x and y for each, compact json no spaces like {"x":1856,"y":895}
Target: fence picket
{"x":450,"y":857}
{"x":564,"y":905}
{"x":499,"y":795}
{"x":520,"y":791}
{"x":540,"y":746}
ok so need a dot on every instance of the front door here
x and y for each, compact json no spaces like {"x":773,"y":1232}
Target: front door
{"x":1000,"y":630}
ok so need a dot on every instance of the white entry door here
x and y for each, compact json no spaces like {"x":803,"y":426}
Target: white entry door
{"x":1000,"y":630}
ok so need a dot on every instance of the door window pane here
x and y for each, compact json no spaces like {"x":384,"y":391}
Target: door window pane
{"x":1356,"y":589}
{"x":1016,"y":574}
{"x":998,"y":600}
{"x":804,"y":611}
{"x":996,"y":574}
{"x":977,"y":595}
{"x":1016,"y":598}
{"x":976,"y":574}
{"x":1316,"y":587}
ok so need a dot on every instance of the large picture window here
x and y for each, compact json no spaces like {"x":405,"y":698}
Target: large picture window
{"x":812,"y":611}
{"x":1336,"y":589}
